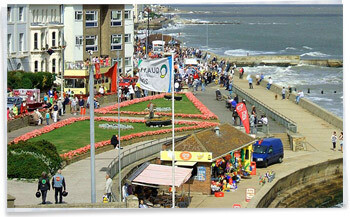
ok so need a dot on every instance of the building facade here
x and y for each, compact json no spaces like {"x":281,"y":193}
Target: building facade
{"x":46,"y":38}
{"x":18,"y":37}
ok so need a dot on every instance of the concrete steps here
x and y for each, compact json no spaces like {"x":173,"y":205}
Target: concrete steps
{"x":284,"y":138}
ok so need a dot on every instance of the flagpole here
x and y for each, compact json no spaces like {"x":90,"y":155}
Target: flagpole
{"x":173,"y":127}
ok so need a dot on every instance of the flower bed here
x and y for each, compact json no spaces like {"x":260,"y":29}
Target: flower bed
{"x":206,"y":114}
{"x":192,"y":125}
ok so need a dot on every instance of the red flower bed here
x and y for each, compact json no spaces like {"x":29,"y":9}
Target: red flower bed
{"x":206,"y":113}
{"x":193,"y":126}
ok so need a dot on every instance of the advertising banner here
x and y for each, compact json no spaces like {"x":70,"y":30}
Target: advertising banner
{"x":155,"y":74}
{"x":243,"y":114}
{"x":186,"y":156}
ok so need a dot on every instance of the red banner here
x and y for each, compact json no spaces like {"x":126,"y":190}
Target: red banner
{"x":112,"y":73}
{"x":97,"y":69}
{"x":243,"y":114}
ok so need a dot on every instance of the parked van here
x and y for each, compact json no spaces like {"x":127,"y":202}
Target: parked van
{"x":268,"y":151}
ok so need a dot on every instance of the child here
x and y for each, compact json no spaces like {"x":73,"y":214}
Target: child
{"x":47,"y":116}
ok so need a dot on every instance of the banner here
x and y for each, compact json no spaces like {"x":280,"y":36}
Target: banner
{"x":186,"y":156}
{"x":155,"y":74}
{"x":243,"y":114}
{"x":112,"y":73}
{"x":97,"y":69}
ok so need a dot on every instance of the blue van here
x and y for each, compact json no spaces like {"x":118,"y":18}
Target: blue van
{"x":268,"y":151}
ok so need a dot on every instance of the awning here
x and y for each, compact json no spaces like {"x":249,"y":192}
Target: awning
{"x":185,"y":163}
{"x":155,"y":174}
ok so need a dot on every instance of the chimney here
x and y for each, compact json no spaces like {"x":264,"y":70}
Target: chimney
{"x":217,"y":131}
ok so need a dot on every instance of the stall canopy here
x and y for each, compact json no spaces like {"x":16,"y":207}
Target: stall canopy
{"x":154,"y":174}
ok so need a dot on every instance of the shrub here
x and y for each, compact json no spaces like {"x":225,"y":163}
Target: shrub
{"x":29,"y":80}
{"x":29,"y":159}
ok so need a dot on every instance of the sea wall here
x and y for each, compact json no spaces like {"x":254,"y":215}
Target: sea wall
{"x":290,"y":189}
{"x":276,"y":60}
{"x":308,"y":105}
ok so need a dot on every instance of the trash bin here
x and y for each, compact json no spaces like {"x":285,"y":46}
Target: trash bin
{"x":253,"y":166}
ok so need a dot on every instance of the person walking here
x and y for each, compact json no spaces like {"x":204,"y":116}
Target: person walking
{"x":58,"y":183}
{"x":43,"y":186}
{"x":334,"y":140}
{"x":115,"y":142}
{"x":250,"y":81}
{"x":55,"y":112}
{"x":108,"y":187}
{"x":290,"y":91}
{"x":341,"y":141}
{"x":269,"y":83}
{"x":283,"y":93}
{"x":47,"y":116}
{"x":81,"y":105}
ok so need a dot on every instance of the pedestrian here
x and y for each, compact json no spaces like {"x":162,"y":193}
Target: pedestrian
{"x":47,"y":116}
{"x":43,"y":186}
{"x":341,"y":141}
{"x":151,"y":108}
{"x":108,"y":187}
{"x":58,"y":183}
{"x":142,"y":205}
{"x":257,"y":78}
{"x":283,"y":93}
{"x":290,"y":91}
{"x":81,"y":105}
{"x":241,"y":72}
{"x":334,"y":140}
{"x":55,"y":112}
{"x":268,"y":86}
{"x":250,"y":81}
{"x":115,"y":142}
{"x":203,"y":83}
{"x":101,"y":90}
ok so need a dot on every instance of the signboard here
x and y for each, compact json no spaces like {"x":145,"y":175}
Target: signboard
{"x":249,"y":194}
{"x":201,"y":173}
{"x":186,"y":156}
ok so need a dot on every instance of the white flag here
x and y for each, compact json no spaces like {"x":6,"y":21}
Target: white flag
{"x":155,"y":74}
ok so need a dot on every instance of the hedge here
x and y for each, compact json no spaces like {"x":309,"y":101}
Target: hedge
{"x":30,"y":80}
{"x":29,"y":159}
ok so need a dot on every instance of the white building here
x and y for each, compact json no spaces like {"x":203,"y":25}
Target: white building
{"x":45,"y":35}
{"x":129,"y":38}
{"x":17,"y":37}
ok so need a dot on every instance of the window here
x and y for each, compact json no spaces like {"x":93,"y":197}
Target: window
{"x":120,"y":63}
{"x":78,"y":40}
{"x":78,"y":16}
{"x":35,"y":41}
{"x":116,"y":18}
{"x":127,"y":61}
{"x":20,"y":14}
{"x":51,"y":15}
{"x":127,"y":38}
{"x":9,"y":17}
{"x":36,"y":65}
{"x":53,"y":39}
{"x":127,"y":14}
{"x":91,"y":19}
{"x":116,"y":42}
{"x":74,"y":83}
{"x":9,"y":43}
{"x":91,"y":43}
{"x":53,"y":65}
{"x":20,"y":42}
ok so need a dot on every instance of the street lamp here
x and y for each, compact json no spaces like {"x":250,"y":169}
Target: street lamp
{"x":119,"y":166}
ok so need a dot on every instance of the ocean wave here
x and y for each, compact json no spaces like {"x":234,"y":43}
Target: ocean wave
{"x":267,"y":23}
{"x":315,"y":54}
{"x":317,"y":99}
{"x":307,"y":48}
{"x":290,"y":48}
{"x":242,"y":52}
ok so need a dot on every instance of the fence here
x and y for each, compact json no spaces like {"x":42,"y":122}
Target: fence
{"x":139,"y":152}
{"x":275,"y":115}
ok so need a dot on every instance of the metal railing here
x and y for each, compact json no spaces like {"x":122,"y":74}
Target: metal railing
{"x":275,"y":115}
{"x":139,"y":152}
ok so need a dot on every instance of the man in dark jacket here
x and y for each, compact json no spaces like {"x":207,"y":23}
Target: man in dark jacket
{"x":43,"y":186}
{"x":65,"y":102}
{"x":57,"y":183}
{"x":115,"y":142}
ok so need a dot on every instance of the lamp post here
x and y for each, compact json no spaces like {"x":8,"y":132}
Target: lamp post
{"x":119,"y":162}
{"x":92,"y":130}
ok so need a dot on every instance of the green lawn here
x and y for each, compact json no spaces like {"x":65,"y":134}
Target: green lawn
{"x":77,"y":135}
{"x":184,"y":106}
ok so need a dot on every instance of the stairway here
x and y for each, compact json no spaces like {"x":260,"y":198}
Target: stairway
{"x":284,"y":138}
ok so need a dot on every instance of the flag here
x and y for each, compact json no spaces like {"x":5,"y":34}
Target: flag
{"x":155,"y":74}
{"x":97,"y":70}
{"x":112,"y":73}
{"x":243,"y":114}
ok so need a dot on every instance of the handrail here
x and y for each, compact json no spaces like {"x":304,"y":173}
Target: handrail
{"x":275,"y":115}
{"x":138,"y":152}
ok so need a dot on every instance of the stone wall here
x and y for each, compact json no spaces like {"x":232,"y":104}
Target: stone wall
{"x":270,"y":195}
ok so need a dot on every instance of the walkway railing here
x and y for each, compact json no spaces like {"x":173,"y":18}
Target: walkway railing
{"x":275,"y":115}
{"x":139,"y":152}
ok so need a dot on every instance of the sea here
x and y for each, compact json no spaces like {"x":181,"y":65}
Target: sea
{"x":311,"y":31}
